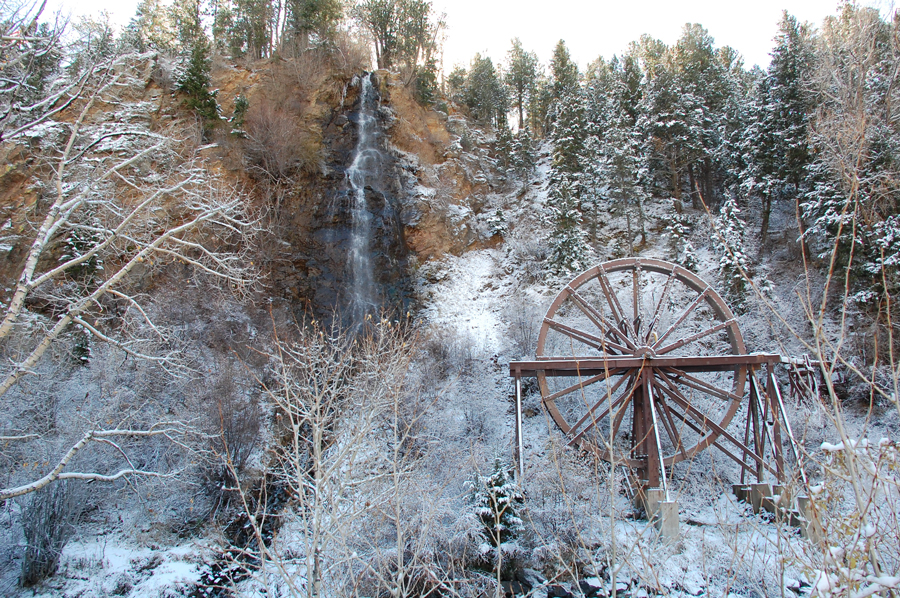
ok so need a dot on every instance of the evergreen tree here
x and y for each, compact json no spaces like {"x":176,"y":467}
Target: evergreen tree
{"x":521,"y":77}
{"x":195,"y":82}
{"x":503,"y":146}
{"x":568,"y":135}
{"x":569,"y":251}
{"x":539,"y":106}
{"x":622,"y":169}
{"x":778,"y":130}
{"x":151,"y":27}
{"x":681,"y":251}
{"x":672,"y":123}
{"x":615,"y":170}
{"x":563,"y":72}
{"x":44,"y":65}
{"x":185,"y":20}
{"x":405,"y":32}
{"x":244,"y":28}
{"x":852,"y":204}
{"x":483,"y":93}
{"x":94,"y":43}
{"x":497,"y":502}
{"x":306,"y":18}
{"x":523,"y":158}
{"x":734,"y":265}
{"x":427,"y":92}
{"x":456,"y":84}
{"x":241,"y":105}
{"x":499,"y":225}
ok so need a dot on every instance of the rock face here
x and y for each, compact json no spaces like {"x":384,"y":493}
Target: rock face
{"x":428,"y":187}
{"x":325,"y":257}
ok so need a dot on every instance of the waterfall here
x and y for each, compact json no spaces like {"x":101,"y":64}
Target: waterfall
{"x":363,"y":171}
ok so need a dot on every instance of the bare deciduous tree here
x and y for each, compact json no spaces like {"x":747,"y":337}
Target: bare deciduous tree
{"x":119,"y":201}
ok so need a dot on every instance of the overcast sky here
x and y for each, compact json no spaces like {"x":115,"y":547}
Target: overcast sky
{"x":591,"y":28}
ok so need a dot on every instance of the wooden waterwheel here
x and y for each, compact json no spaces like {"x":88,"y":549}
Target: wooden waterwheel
{"x":641,"y":362}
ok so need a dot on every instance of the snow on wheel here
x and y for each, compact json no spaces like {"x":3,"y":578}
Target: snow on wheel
{"x":661,"y":378}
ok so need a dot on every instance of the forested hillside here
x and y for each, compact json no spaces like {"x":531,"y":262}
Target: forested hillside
{"x":265,"y":265}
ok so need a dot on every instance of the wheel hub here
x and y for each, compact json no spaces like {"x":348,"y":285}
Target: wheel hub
{"x":646,"y":352}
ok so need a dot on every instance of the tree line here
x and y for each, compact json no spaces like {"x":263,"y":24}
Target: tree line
{"x":815,"y":130}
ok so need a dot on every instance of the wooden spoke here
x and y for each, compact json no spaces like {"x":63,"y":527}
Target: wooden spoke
{"x":620,"y":414}
{"x":611,"y":298}
{"x":636,"y":300}
{"x":694,"y":337}
{"x":656,"y":312}
{"x":584,"y":337}
{"x":690,"y":308}
{"x":615,"y":298}
{"x":607,"y":396}
{"x":702,"y":385}
{"x":583,"y":384}
{"x":686,"y":420}
{"x":671,"y":428}
{"x":705,"y":422}
{"x":599,"y":321}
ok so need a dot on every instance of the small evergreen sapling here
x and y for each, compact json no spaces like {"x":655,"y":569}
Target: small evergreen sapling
{"x":497,"y":502}
{"x":504,"y":144}
{"x":498,"y":224}
{"x":733,"y":262}
{"x":241,"y":105}
{"x":681,"y":251}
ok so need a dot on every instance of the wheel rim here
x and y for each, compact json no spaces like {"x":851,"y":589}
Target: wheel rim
{"x":642,"y":308}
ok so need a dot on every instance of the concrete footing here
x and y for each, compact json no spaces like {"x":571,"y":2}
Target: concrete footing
{"x":758,"y":495}
{"x":778,"y":500}
{"x":810,"y":526}
{"x":661,"y":512}
{"x":667,"y":519}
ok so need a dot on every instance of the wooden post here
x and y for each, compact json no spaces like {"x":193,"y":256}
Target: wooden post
{"x":774,"y":408}
{"x":754,"y":415}
{"x":520,"y":443}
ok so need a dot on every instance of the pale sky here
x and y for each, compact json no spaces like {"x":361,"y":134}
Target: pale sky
{"x":591,"y":28}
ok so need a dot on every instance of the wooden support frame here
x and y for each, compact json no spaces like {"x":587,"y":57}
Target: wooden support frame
{"x":761,"y":453}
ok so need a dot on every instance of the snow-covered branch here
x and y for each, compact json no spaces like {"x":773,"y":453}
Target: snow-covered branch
{"x":169,"y":430}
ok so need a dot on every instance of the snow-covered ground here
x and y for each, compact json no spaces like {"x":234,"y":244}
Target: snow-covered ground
{"x":469,"y":299}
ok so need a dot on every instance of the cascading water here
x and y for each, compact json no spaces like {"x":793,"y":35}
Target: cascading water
{"x":363,"y":171}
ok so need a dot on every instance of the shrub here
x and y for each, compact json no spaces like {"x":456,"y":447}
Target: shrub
{"x":47,"y":527}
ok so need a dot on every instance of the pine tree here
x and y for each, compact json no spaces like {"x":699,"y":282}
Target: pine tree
{"x":539,"y":106}
{"x":569,"y":251}
{"x":152,"y":27}
{"x":852,"y":204}
{"x":483,"y":93}
{"x":523,"y":158}
{"x":499,"y":225}
{"x":734,"y":266}
{"x":195,"y":82}
{"x":521,"y":77}
{"x":427,"y":92}
{"x":681,"y":251}
{"x":503,"y":146}
{"x":306,"y":18}
{"x":568,"y":135}
{"x":777,"y":134}
{"x":184,"y":15}
{"x":621,"y":170}
{"x":497,"y":503}
{"x":563,"y":72}
{"x":405,"y":32}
